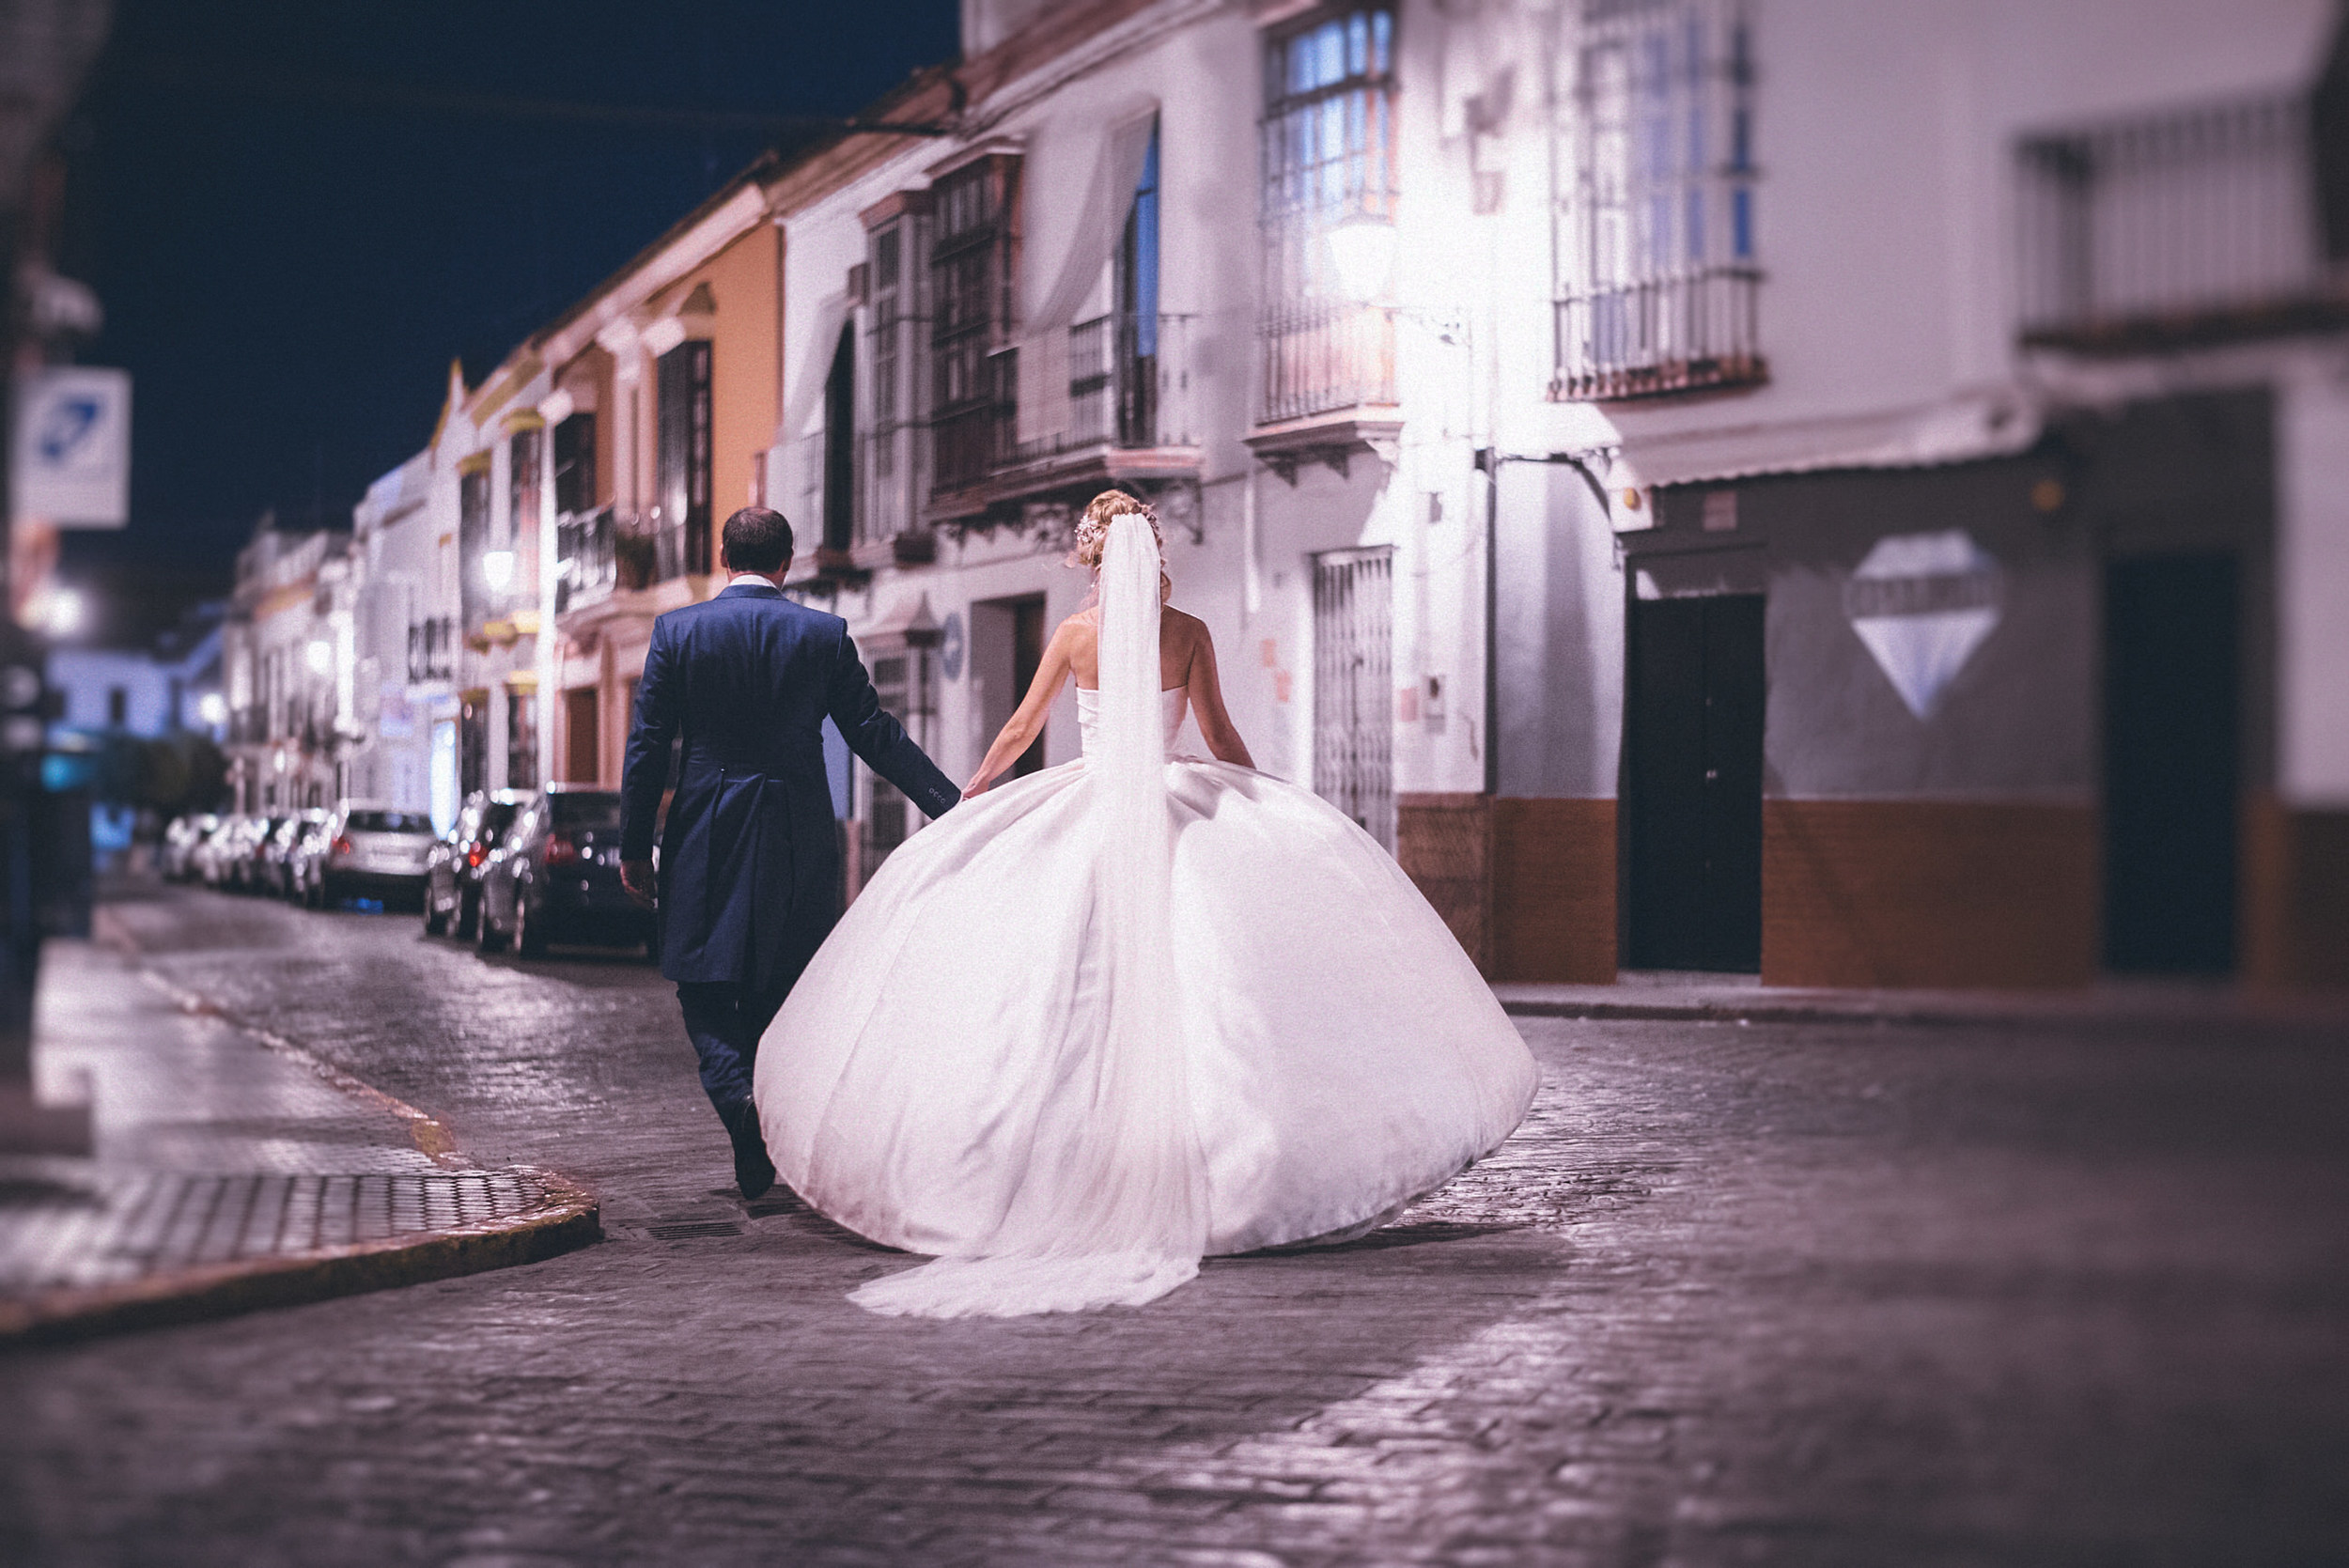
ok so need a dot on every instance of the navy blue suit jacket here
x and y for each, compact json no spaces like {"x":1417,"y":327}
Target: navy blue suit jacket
{"x":749,"y":863}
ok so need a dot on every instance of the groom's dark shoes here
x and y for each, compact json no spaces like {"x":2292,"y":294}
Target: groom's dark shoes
{"x":753,"y":1173}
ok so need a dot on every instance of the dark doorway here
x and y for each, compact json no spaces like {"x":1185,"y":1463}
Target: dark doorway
{"x":1694,"y":722}
{"x":1027,"y":658}
{"x":2172,"y":664}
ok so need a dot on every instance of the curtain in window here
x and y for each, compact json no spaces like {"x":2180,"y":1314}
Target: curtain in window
{"x":1100,"y":223}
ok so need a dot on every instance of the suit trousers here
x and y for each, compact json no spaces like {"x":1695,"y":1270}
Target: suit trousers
{"x":724,"y":1018}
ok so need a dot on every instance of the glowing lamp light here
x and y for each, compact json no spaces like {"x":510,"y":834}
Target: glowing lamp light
{"x":1361,"y":251}
{"x":320,"y":655}
{"x":497,"y":569}
{"x":58,"y":611}
{"x":213,"y":708}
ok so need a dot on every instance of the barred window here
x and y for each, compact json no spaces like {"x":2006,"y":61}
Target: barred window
{"x":1656,"y":218}
{"x":1328,"y":148}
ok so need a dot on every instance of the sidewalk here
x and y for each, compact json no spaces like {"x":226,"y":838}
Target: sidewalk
{"x":233,"y":1171}
{"x":2117,"y":1003}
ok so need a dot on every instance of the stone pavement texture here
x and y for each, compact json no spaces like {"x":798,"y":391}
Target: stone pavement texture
{"x":1770,"y":1292}
{"x":232,"y":1169}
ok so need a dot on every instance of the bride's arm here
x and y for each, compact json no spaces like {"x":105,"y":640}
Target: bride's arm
{"x":1207,"y":705}
{"x":1020,"y":731}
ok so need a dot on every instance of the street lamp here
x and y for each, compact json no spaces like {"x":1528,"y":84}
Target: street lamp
{"x":213,"y":708}
{"x":320,"y":655}
{"x":497,"y":569}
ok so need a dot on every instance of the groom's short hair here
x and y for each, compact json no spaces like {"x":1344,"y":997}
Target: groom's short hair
{"x":757,"y":538}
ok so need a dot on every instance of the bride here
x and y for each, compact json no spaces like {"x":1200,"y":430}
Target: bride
{"x":1131,"y":1011}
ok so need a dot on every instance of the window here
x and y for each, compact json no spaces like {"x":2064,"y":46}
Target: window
{"x":575,"y":464}
{"x":974,"y":369}
{"x":893,"y":318}
{"x":885,"y":809}
{"x":840,"y":445}
{"x":522,"y":739}
{"x":1327,"y":150}
{"x":1656,"y":242}
{"x":682,"y":462}
{"x":473,"y":539}
{"x":525,"y":482}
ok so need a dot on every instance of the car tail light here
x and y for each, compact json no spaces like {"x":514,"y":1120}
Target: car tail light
{"x":561,"y":850}
{"x":474,"y":855}
{"x":342,"y":846}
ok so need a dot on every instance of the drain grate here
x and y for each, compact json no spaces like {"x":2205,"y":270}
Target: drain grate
{"x":687,"y":1229}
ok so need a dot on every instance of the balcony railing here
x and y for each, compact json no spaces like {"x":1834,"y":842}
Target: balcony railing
{"x":601,"y":550}
{"x":1321,"y":355}
{"x":1678,"y":332}
{"x":2194,"y":225}
{"x":1128,"y":384}
{"x":1129,"y":389}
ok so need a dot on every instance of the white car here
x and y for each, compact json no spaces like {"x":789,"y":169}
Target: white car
{"x":367,"y":851}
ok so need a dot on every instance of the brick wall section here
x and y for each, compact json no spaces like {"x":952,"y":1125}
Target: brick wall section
{"x":1554,"y":874}
{"x":2295,"y":896}
{"x":1929,"y":893}
{"x":1444,"y":844}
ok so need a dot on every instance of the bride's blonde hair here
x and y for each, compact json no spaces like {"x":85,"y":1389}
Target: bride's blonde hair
{"x":1093,"y":533}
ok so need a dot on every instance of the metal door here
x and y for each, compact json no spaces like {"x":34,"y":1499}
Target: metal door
{"x":2172,"y":635}
{"x":1353,"y":685}
{"x":1695,"y":712}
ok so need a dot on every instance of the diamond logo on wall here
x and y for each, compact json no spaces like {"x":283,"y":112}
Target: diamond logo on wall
{"x":1922,"y":604}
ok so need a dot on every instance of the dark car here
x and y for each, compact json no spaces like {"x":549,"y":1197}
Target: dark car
{"x":247,"y":862}
{"x":175,"y":857}
{"x":276,"y":873}
{"x":452,"y":872}
{"x":556,"y":877}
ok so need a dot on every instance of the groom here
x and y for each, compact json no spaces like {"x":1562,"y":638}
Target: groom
{"x":750,"y":868}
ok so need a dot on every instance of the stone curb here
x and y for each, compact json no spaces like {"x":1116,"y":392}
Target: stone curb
{"x":191,"y":1296}
{"x":1918,"y":1011}
{"x":570,"y":1221}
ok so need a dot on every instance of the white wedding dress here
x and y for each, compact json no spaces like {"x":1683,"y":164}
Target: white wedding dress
{"x":1127,"y":1012}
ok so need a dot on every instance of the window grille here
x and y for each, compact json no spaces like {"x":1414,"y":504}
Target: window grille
{"x":1327,"y":156}
{"x":1655,"y":222}
{"x":894,"y":441}
{"x":1353,"y":685}
{"x":885,"y":819}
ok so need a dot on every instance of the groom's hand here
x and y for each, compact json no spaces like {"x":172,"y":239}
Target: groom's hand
{"x":636,"y":877}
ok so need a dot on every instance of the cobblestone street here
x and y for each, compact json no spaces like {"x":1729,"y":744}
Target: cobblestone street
{"x":1807,"y":1295}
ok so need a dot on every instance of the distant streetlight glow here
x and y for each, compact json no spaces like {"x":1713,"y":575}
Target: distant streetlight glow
{"x":497,"y":569}
{"x":213,"y":708}
{"x":1362,"y":249}
{"x":322,"y":657}
{"x":58,"y":611}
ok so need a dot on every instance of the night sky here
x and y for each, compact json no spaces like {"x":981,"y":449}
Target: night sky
{"x":296,"y":212}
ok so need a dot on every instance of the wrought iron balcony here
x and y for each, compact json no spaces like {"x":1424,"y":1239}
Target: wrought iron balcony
{"x":598,"y":551}
{"x":1317,"y":356}
{"x":2198,"y":225}
{"x":1677,"y":332}
{"x":1129,"y":411}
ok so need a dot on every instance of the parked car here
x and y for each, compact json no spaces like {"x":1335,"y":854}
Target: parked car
{"x":277,"y":851}
{"x":556,"y":877}
{"x":175,"y":857}
{"x":216,"y":850}
{"x":367,"y":851}
{"x":452,"y":872}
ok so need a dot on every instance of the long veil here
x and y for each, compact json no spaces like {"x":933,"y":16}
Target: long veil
{"x":1115,"y":1211}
